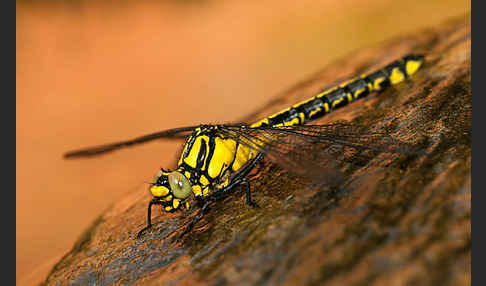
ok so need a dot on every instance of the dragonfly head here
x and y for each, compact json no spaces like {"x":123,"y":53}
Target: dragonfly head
{"x":172,"y":188}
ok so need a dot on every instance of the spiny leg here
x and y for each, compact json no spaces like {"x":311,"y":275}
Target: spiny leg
{"x":240,"y":179}
{"x":249,"y":201}
{"x":149,"y":213}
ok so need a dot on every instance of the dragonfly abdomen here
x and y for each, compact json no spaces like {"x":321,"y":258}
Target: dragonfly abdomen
{"x":336,"y":97}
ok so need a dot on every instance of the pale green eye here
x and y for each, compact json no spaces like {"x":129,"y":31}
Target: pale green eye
{"x":181,"y":188}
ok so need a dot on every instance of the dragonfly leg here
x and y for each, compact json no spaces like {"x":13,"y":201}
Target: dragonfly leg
{"x":149,"y":214}
{"x":241,"y":179}
{"x":249,"y":201}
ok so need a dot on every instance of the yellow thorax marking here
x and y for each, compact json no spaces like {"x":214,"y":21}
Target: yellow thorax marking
{"x":196,"y":189}
{"x":196,"y":132}
{"x":224,"y":153}
{"x":191,"y":158}
{"x":203,"y":180}
{"x":243,"y":155}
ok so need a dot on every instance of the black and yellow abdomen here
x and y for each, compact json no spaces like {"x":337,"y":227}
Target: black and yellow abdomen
{"x":331,"y":99}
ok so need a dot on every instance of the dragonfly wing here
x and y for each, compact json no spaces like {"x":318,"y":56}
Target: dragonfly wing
{"x":176,"y":133}
{"x":308,"y":150}
{"x":290,"y":153}
{"x":344,"y":134}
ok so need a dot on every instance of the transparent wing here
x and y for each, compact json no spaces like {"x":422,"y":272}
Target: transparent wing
{"x":344,"y":134}
{"x":176,"y":133}
{"x":308,"y":150}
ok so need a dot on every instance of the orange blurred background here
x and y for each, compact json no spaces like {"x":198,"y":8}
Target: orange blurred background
{"x":91,"y":72}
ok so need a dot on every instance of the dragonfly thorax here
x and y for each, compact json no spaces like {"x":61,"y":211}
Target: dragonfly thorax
{"x":209,"y":157}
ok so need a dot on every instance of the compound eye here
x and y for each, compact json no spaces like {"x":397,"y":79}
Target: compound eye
{"x":181,"y":188}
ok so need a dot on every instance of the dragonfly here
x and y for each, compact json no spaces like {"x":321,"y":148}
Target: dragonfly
{"x":217,"y":158}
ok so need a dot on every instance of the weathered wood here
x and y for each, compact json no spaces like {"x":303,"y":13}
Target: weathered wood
{"x":396,"y":220}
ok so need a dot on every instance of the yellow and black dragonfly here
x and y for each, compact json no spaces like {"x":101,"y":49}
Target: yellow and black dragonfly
{"x":216,"y":158}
